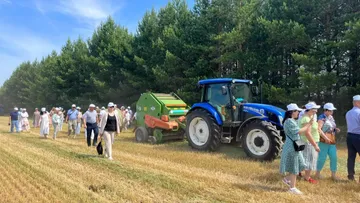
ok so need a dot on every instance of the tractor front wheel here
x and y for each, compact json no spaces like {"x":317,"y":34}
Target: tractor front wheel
{"x":202,"y":132}
{"x":141,"y":134}
{"x":261,"y":140}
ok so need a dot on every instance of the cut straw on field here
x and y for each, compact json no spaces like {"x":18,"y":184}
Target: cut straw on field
{"x":66,"y":170}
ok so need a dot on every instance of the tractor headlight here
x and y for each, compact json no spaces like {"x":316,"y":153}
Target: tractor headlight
{"x":281,"y":119}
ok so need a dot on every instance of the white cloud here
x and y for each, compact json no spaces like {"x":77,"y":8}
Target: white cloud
{"x":89,"y":12}
{"x":5,"y":2}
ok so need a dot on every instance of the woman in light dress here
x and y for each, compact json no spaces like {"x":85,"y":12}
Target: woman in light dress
{"x":62,"y":118}
{"x":36,"y":118}
{"x":44,"y":123}
{"x":25,"y":124}
{"x":78,"y":127}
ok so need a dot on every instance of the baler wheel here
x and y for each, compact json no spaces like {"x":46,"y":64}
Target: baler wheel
{"x":141,"y":134}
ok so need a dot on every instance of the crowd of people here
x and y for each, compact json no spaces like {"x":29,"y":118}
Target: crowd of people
{"x":97,"y":122}
{"x":310,"y":139}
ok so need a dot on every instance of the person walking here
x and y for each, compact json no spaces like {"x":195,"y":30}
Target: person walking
{"x":56,"y":122}
{"x":327,"y":144}
{"x":71,"y":119}
{"x":36,"y":118}
{"x":353,"y":136}
{"x":311,"y":138}
{"x":78,"y":127}
{"x":14,"y":120}
{"x":62,"y":118}
{"x":110,"y":124}
{"x":44,"y":123}
{"x":25,"y":124}
{"x":91,"y":121}
{"x":292,"y":162}
{"x":20,"y":120}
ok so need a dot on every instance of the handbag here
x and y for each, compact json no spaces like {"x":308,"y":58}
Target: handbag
{"x":299,"y":145}
{"x":99,"y":148}
{"x":331,"y":137}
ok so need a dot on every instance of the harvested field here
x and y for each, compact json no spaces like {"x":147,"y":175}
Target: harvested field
{"x":66,"y":170}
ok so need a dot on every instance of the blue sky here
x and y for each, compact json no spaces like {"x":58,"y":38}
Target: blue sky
{"x":31,"y":29}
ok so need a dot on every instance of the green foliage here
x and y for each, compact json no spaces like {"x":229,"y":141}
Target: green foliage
{"x":302,"y":50}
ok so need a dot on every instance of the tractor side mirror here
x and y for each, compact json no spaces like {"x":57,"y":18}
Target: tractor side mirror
{"x":255,"y":90}
{"x":223,"y":90}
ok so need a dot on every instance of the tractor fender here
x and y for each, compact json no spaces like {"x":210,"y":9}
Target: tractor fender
{"x":243,"y":124}
{"x":209,"y":108}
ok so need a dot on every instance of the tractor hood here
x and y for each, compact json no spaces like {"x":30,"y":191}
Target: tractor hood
{"x":274,"y":114}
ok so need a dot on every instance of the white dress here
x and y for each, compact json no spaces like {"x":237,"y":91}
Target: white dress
{"x":44,"y":124}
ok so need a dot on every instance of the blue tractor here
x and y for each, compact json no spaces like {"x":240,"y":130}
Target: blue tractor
{"x":226,"y":114}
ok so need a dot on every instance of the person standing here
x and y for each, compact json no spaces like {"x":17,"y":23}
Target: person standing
{"x":25,"y":124}
{"x":14,"y":120}
{"x":91,"y":121}
{"x":292,"y":162}
{"x":71,"y":119}
{"x":20,"y":120}
{"x":327,"y":144}
{"x":56,"y":122}
{"x":36,"y":118}
{"x":44,"y":123}
{"x":62,"y":118}
{"x":78,"y":127}
{"x":311,"y":138}
{"x":353,"y":136}
{"x":110,"y":124}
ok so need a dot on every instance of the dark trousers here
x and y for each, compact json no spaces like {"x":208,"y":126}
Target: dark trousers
{"x":353,"y":145}
{"x":89,"y":128}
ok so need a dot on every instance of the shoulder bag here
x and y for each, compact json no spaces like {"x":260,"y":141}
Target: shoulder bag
{"x":299,"y":145}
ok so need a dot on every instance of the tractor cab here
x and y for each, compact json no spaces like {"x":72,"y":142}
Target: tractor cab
{"x":227,"y":96}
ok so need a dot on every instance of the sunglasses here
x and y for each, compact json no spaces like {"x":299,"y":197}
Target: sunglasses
{"x":111,"y":107}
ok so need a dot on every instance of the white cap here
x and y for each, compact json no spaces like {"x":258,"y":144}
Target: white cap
{"x":43,"y":109}
{"x":73,"y":105}
{"x":57,"y":109}
{"x":102,"y":108}
{"x":78,"y":107}
{"x":293,"y":107}
{"x":16,"y":109}
{"x":111,"y":104}
{"x":128,"y":107}
{"x":24,"y":109}
{"x":92,"y":105}
{"x":312,"y":105}
{"x":356,"y":98}
{"x":329,"y":106}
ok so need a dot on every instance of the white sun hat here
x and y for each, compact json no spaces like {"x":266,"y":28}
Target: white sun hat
{"x":356,"y":98}
{"x":16,"y":109}
{"x":73,"y":105}
{"x":293,"y":107}
{"x":111,"y":104}
{"x":312,"y":105}
{"x":329,"y":106}
{"x":92,"y":105}
{"x":43,"y":109}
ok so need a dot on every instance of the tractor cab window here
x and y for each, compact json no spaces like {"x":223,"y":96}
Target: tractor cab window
{"x":217,"y":94}
{"x":241,"y":92}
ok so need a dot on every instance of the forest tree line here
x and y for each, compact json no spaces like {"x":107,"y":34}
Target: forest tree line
{"x":301,"y":49}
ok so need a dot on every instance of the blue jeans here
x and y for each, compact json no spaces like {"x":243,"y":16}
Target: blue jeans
{"x":353,"y":145}
{"x":325,"y":150}
{"x":14,"y":123}
{"x":89,"y":128}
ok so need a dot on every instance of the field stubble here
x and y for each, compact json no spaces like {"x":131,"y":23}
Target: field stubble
{"x":66,"y":170}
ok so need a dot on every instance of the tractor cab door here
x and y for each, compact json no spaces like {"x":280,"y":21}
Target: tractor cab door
{"x":218,"y":95}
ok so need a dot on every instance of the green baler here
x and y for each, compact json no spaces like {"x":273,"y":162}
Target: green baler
{"x":160,"y":117}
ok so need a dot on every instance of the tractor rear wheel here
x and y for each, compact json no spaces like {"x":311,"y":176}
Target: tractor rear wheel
{"x":202,"y":132}
{"x":261,"y":140}
{"x":141,"y":134}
